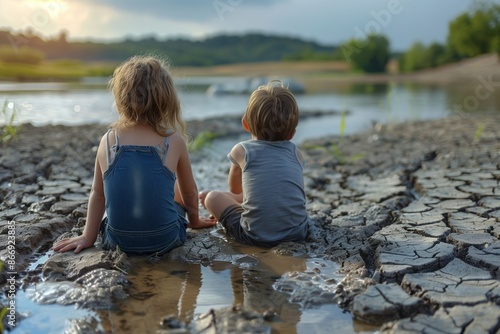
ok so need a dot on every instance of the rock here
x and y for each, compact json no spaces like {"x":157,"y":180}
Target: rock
{"x":395,"y":260}
{"x":376,"y":190}
{"x":72,"y":197}
{"x":478,"y":319}
{"x":486,"y":257}
{"x":10,"y":213}
{"x":447,"y":193}
{"x":70,"y":266}
{"x":461,"y":222}
{"x":458,"y":283}
{"x":495,"y":214}
{"x":490,"y":202}
{"x":437,"y":230}
{"x":384,"y":302}
{"x":65,"y":207}
{"x":478,"y":240}
{"x":42,"y":205}
{"x":237,"y":319}
{"x":98,"y":288}
{"x":453,"y":204}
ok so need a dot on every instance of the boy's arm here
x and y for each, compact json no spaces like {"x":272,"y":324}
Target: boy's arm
{"x":237,"y":157}
{"x":300,"y":156}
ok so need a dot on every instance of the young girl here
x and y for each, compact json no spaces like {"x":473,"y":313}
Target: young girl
{"x":142,"y":179}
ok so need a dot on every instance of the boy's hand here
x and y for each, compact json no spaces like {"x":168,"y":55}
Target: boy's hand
{"x":77,"y":243}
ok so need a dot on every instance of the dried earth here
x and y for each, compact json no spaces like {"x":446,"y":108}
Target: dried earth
{"x":411,"y":213}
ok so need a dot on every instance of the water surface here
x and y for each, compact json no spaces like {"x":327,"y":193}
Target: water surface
{"x":90,"y":102}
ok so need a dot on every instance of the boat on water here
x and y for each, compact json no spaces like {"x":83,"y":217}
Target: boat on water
{"x":248,"y":85}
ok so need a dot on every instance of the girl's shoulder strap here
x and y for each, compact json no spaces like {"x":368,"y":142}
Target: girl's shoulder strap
{"x":108,"y":149}
{"x":165,"y":148}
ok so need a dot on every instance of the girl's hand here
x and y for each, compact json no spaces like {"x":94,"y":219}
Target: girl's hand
{"x":77,"y":243}
{"x":204,"y":222}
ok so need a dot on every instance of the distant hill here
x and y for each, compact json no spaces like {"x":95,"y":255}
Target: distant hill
{"x":215,"y":50}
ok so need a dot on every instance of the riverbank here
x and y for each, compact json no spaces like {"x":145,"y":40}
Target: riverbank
{"x":322,"y":76}
{"x":314,"y":75}
{"x":409,"y":213}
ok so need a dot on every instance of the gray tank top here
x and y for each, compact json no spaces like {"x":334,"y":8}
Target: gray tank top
{"x":274,"y":200}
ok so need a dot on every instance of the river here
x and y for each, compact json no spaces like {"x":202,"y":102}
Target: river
{"x":89,"y":101}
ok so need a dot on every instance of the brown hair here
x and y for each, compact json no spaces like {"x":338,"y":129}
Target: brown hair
{"x":272,"y":113}
{"x":144,"y":93}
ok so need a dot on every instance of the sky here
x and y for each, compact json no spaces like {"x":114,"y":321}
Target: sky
{"x":328,"y":22}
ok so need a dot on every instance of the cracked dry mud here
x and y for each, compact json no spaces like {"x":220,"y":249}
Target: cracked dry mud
{"x":413,"y":222}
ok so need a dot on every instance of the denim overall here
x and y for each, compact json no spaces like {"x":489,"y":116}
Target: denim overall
{"x":142,"y":217}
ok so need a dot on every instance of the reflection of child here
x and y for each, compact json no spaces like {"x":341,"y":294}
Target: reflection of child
{"x":266,"y":203}
{"x":142,"y":178}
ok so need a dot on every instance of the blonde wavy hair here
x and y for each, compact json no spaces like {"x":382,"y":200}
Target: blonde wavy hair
{"x":272,"y":112}
{"x":145,"y":94}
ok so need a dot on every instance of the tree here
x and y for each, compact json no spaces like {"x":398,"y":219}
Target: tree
{"x":369,"y":55}
{"x":419,"y":57}
{"x":414,"y":58}
{"x":435,"y":55}
{"x":475,"y":33}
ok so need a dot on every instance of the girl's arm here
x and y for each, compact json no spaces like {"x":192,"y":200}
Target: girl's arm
{"x":95,"y":212}
{"x":188,"y":189}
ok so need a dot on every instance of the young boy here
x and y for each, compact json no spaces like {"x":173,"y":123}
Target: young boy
{"x":266,"y":202}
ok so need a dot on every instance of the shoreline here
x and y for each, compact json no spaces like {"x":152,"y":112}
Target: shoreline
{"x":399,"y":207}
{"x":321,"y":72}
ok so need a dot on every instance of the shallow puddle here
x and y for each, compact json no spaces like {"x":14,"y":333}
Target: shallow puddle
{"x":49,"y":319}
{"x":160,"y":288}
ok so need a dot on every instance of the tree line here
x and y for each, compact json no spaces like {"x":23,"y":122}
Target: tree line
{"x":471,"y":34}
{"x":30,"y":48}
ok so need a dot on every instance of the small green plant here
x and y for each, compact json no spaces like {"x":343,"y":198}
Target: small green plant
{"x":334,"y":149}
{"x":9,"y":129}
{"x":3,"y":313}
{"x":202,"y":140}
{"x":478,"y":133}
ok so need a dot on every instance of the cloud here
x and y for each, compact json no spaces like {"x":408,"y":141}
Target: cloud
{"x":192,"y":10}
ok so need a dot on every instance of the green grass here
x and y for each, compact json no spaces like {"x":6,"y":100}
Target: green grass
{"x":478,"y":133}
{"x":334,"y":149}
{"x":202,"y":140}
{"x":61,"y":69}
{"x":9,"y":129}
{"x":3,"y":313}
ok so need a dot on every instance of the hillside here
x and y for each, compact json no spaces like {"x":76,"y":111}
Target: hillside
{"x":215,"y":50}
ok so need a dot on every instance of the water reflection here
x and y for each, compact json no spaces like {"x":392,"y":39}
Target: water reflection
{"x":184,"y":290}
{"x":368,"y":88}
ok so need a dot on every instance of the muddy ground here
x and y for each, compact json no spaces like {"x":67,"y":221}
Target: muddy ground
{"x":410,"y":212}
